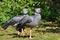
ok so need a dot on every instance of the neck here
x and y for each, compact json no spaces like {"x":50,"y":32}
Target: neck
{"x":25,"y":14}
{"x":36,"y":13}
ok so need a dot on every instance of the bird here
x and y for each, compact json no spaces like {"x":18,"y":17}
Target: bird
{"x":35,"y":21}
{"x":31,"y":21}
{"x":21,"y":25}
{"x":15,"y":20}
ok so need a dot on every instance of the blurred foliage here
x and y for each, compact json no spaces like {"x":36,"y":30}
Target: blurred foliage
{"x":50,"y":9}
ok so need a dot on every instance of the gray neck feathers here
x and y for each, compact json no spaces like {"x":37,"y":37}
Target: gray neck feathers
{"x":37,"y":17}
{"x":25,"y":14}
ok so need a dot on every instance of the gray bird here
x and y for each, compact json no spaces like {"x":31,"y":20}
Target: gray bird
{"x":15,"y":20}
{"x":35,"y":20}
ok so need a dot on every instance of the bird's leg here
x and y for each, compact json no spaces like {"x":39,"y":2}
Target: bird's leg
{"x":31,"y":33}
{"x":22,"y":32}
{"x":18,"y":33}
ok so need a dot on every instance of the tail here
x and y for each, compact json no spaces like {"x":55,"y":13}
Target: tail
{"x":6,"y":24}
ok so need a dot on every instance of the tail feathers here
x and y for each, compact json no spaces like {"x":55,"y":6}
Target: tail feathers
{"x":5,"y":25}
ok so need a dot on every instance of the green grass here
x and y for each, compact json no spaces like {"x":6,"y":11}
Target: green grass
{"x":37,"y":35}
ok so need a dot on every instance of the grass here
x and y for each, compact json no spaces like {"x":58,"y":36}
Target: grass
{"x":10,"y":34}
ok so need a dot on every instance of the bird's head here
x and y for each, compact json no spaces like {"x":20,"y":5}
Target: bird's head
{"x":37,"y":10}
{"x":25,"y":10}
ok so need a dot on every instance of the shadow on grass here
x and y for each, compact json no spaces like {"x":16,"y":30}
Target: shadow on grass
{"x":12,"y":34}
{"x":49,"y":30}
{"x":17,"y":36}
{"x":1,"y":34}
{"x":8,"y":34}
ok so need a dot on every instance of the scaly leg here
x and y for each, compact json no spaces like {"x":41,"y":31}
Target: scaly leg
{"x":31,"y":33}
{"x":22,"y":32}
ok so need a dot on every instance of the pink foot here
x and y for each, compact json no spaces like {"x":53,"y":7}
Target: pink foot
{"x":30,"y":38}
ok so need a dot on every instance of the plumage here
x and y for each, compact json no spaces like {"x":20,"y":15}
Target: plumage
{"x":12,"y":21}
{"x":23,"y":22}
{"x":31,"y":21}
{"x":15,"y":20}
{"x":35,"y":20}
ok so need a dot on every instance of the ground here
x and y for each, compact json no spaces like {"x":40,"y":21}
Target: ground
{"x":38,"y":34}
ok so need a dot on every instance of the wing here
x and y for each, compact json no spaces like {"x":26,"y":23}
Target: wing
{"x":22,"y":23}
{"x":12,"y":21}
{"x":25,"y":19}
